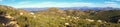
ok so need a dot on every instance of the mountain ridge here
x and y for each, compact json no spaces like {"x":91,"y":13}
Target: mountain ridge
{"x":74,"y":8}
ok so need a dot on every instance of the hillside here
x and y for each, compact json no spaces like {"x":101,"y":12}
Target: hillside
{"x":54,"y":17}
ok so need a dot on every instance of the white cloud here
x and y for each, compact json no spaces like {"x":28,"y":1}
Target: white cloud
{"x":54,"y":4}
{"x":83,"y":4}
{"x":111,"y":4}
{"x":64,"y":4}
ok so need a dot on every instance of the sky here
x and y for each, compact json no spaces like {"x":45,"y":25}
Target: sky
{"x":60,"y":3}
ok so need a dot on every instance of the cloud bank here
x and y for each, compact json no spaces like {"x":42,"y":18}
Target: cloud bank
{"x":64,"y":4}
{"x":54,"y":4}
{"x":61,"y":3}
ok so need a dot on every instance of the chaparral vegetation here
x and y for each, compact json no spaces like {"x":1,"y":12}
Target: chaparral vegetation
{"x":54,"y":17}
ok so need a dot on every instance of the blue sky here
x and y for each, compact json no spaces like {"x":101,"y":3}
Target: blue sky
{"x":60,"y":3}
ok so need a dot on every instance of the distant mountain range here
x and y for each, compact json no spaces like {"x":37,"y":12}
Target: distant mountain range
{"x":74,"y":8}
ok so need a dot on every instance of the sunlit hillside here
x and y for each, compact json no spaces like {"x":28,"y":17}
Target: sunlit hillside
{"x":54,"y":17}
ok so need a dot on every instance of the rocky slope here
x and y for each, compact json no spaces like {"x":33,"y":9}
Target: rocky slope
{"x":6,"y":20}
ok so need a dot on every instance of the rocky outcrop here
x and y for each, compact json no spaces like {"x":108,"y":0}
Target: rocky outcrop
{"x":12,"y":22}
{"x":6,"y":19}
